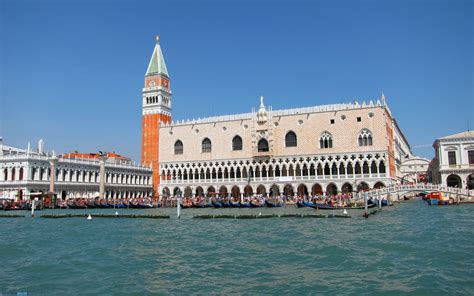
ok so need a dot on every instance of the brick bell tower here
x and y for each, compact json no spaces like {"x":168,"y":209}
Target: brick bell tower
{"x":156,"y":108}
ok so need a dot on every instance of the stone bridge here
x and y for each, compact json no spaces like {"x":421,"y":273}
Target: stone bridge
{"x":398,"y":191}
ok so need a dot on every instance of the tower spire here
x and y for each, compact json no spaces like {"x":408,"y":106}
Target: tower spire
{"x":157,"y":65}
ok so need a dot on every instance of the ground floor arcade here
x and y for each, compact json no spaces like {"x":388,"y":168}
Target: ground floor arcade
{"x":308,"y":188}
{"x":464,"y":180}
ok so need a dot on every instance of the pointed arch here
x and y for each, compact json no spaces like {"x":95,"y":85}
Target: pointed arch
{"x":325,"y":140}
{"x":317,"y":189}
{"x":262,"y":145}
{"x":178,"y":147}
{"x":365,"y":137}
{"x":290,"y":139}
{"x":237,"y":143}
{"x":206,"y":145}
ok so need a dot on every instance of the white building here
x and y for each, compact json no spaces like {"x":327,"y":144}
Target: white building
{"x":415,"y":169}
{"x":23,"y":171}
{"x":454,"y":160}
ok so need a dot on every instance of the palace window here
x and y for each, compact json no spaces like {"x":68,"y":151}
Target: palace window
{"x":178,"y":147}
{"x":290,"y":139}
{"x":263,"y":145}
{"x":452,"y":157}
{"x":325,"y":141}
{"x":365,"y":137}
{"x":470,"y":156}
{"x":206,"y":145}
{"x":237,"y":143}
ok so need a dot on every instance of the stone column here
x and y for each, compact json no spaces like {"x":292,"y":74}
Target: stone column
{"x":102,"y":161}
{"x":52,"y":172}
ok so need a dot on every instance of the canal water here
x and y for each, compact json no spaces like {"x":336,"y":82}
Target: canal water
{"x":408,"y":248}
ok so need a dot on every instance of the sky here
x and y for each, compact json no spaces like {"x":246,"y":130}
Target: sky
{"x":71,"y":72}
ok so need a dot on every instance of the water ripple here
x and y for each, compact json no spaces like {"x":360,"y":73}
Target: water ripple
{"x":410,"y":248}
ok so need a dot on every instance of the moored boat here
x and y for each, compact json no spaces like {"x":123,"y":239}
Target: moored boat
{"x":320,"y":206}
{"x":256,"y":204}
{"x":245,"y":205}
{"x":225,"y":204}
{"x":216,"y":204}
{"x":234,"y":204}
{"x":274,"y":204}
{"x":309,"y":204}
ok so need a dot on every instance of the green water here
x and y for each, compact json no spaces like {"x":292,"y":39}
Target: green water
{"x":409,"y":248}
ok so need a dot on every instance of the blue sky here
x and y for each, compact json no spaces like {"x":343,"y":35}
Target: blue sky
{"x":71,"y":72}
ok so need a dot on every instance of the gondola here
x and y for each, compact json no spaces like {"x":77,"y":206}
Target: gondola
{"x":330,"y":207}
{"x":90,"y":205}
{"x":186,"y":206}
{"x":256,"y":204}
{"x":234,"y":204}
{"x":274,"y":204}
{"x":245,"y":205}
{"x":300,"y":204}
{"x":115,"y":205}
{"x":200,"y":205}
{"x":13,"y":208}
{"x":76,"y":205}
{"x":103,"y":204}
{"x":147,"y":206}
{"x":216,"y":204}
{"x":309,"y":204}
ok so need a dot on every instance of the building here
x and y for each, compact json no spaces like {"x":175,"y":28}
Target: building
{"x":415,"y":169}
{"x":454,"y":160}
{"x":315,"y":150}
{"x":24,"y":171}
{"x":156,"y":102}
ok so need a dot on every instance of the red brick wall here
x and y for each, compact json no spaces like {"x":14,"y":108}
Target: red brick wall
{"x":150,"y":144}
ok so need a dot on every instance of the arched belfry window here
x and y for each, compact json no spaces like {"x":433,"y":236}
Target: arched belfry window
{"x":237,"y":143}
{"x":206,"y":145}
{"x":365,"y":137}
{"x":325,"y":141}
{"x":178,"y":147}
{"x":263,"y":145}
{"x":290,"y":139}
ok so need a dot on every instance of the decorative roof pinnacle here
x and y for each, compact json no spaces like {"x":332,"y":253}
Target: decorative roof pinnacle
{"x":157,"y":38}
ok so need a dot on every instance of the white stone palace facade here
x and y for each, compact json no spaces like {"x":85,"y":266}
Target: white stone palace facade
{"x":23,"y":172}
{"x":315,"y":150}
{"x":454,"y":160}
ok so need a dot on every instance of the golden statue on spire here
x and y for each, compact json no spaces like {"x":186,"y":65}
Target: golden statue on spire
{"x":157,"y":38}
